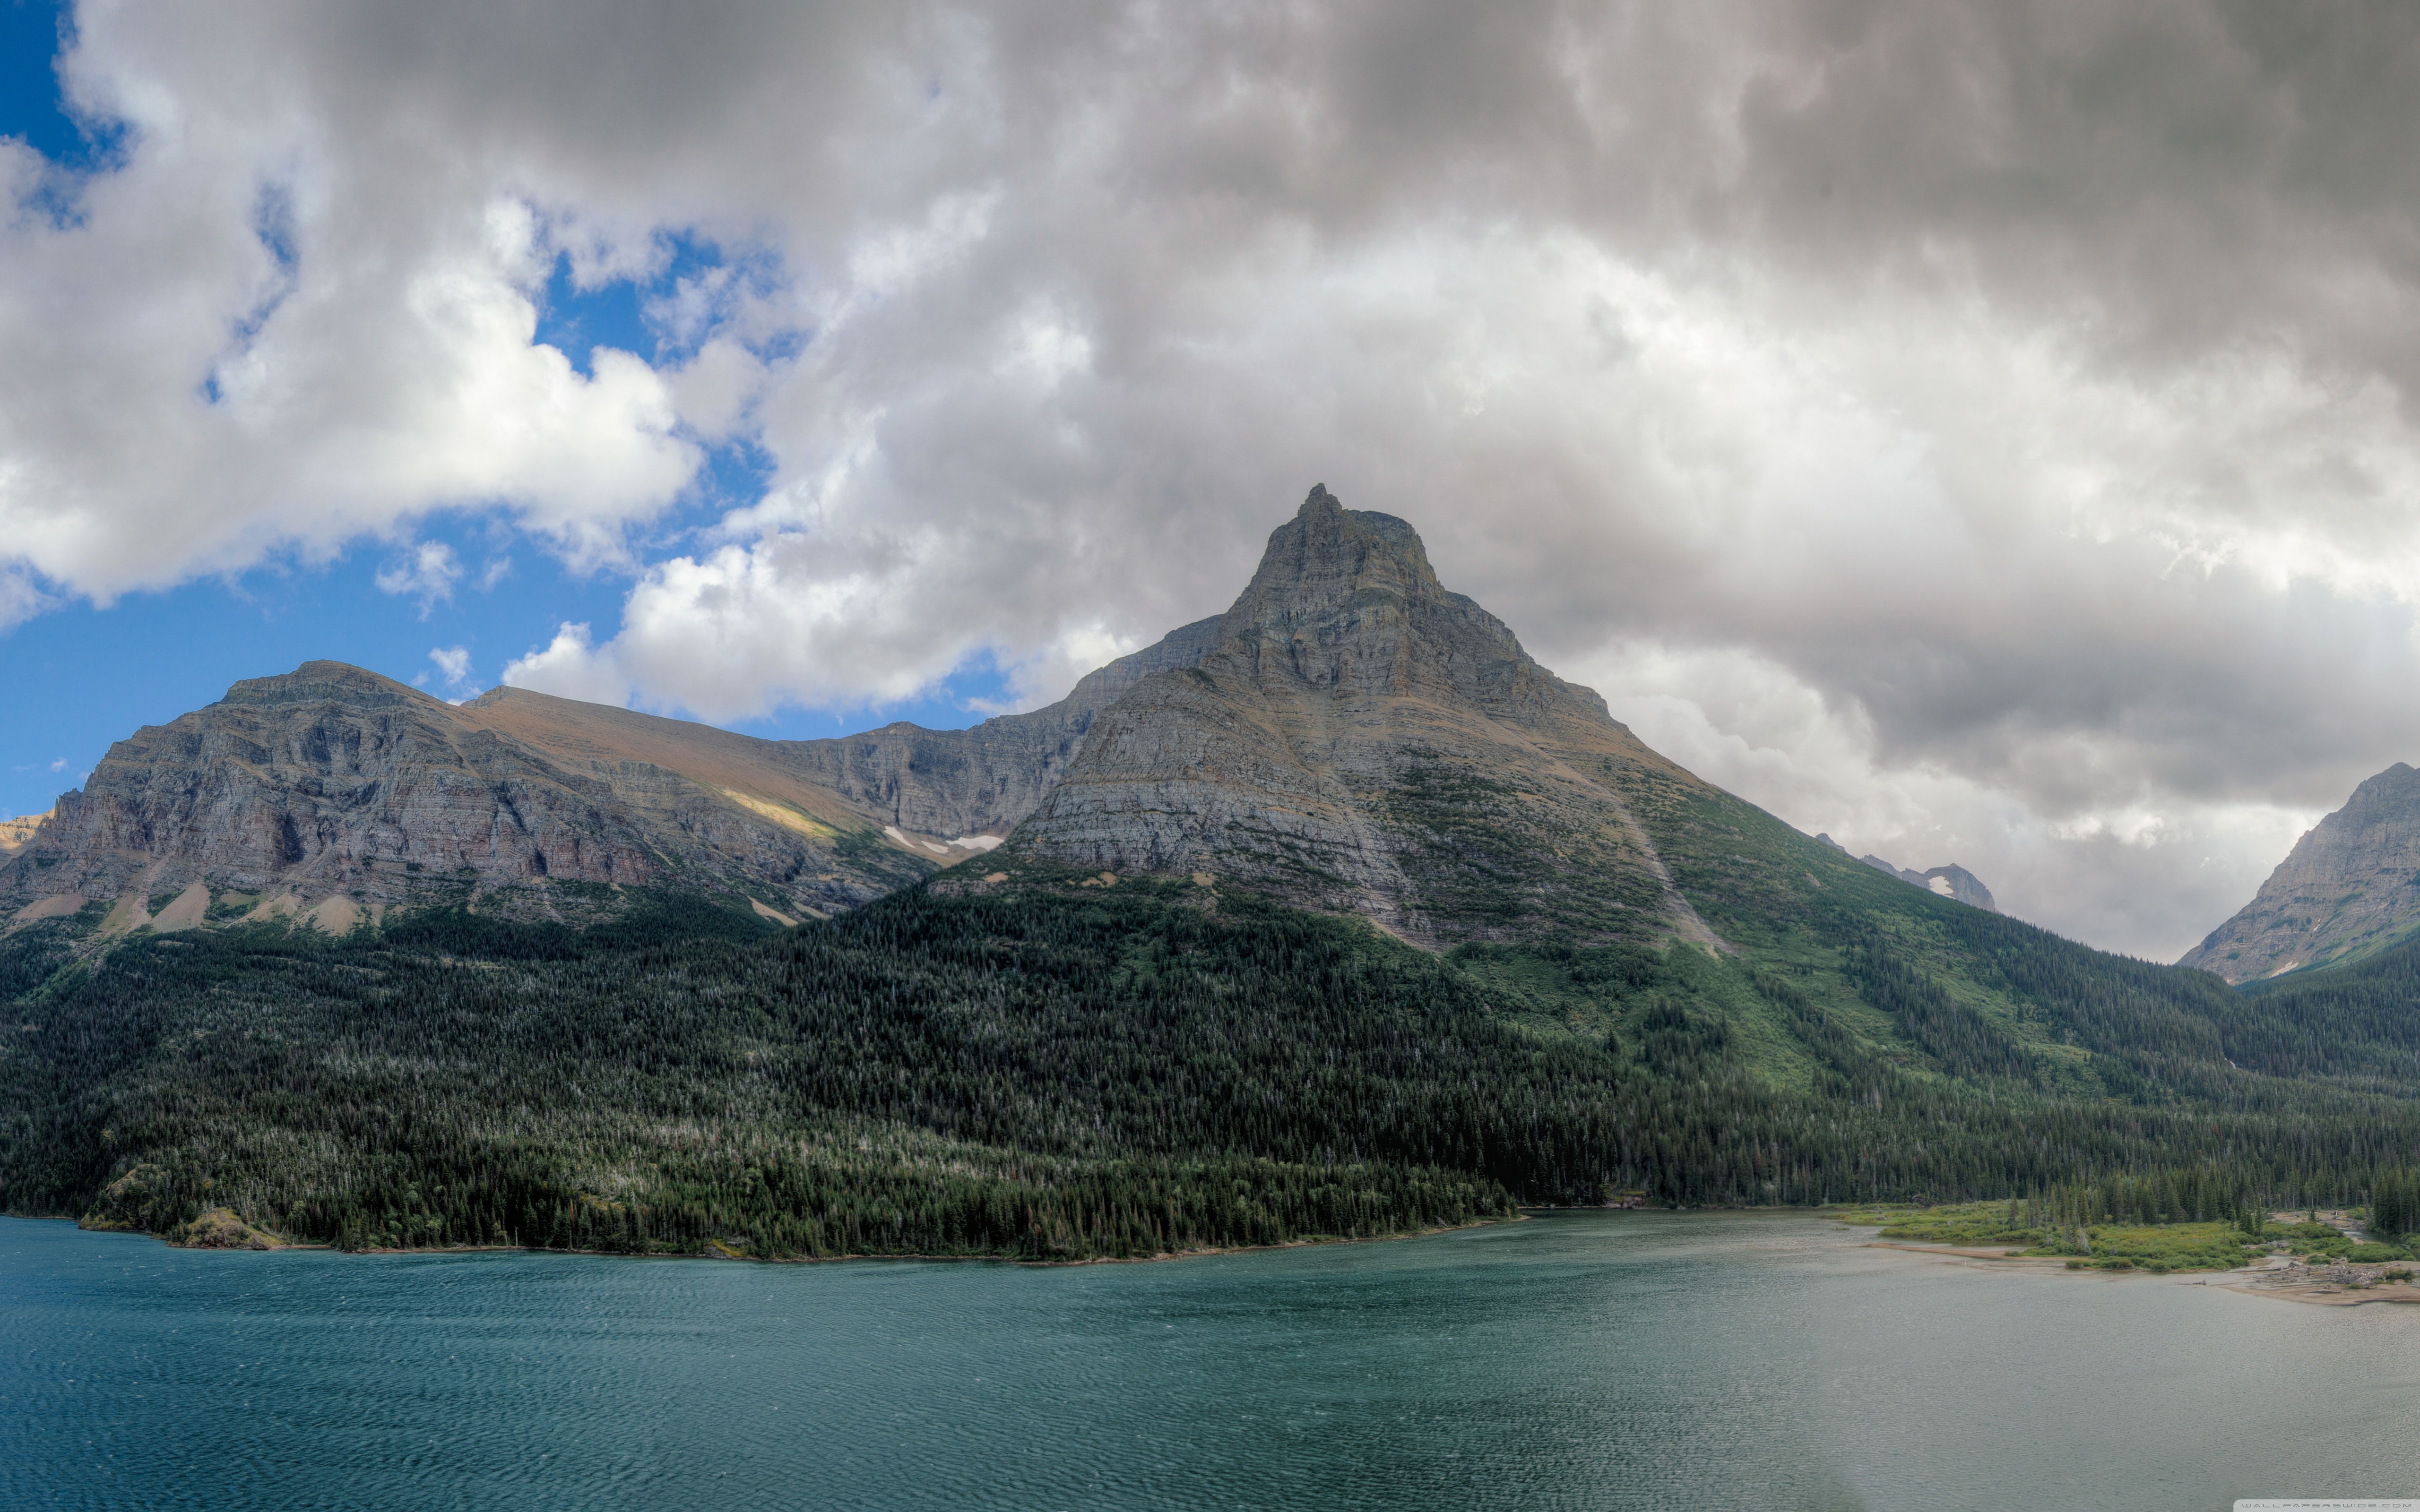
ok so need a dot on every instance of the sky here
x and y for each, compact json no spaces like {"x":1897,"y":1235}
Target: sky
{"x":1982,"y":432}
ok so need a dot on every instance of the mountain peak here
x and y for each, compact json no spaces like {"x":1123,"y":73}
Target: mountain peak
{"x":1345,"y":599}
{"x":1327,"y":557}
{"x":2346,"y":889}
{"x":317,"y":682}
{"x":1360,"y":738}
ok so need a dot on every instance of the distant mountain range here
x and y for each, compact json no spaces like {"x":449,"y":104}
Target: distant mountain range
{"x":1952,"y":881}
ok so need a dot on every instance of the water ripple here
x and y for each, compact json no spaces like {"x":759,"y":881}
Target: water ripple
{"x":1599,"y":1360}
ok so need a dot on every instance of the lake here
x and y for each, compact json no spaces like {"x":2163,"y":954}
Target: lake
{"x":1583,"y":1361}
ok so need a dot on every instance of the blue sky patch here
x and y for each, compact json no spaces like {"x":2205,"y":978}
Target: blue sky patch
{"x":508,"y":601}
{"x":576,"y":321}
{"x":34,"y":109}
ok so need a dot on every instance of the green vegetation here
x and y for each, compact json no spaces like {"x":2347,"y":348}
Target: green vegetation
{"x":930,"y":1076}
{"x":2395,"y":1206}
{"x":1051,"y":1071}
{"x":2324,"y":1242}
{"x":1478,"y":852}
{"x":2034,"y":1229}
{"x":2187,"y":1220}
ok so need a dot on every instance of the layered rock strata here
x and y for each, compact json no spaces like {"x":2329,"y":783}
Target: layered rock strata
{"x":1363,"y":740}
{"x":334,"y":782}
{"x":2348,"y":887}
{"x":16,"y":834}
{"x":1349,"y":735}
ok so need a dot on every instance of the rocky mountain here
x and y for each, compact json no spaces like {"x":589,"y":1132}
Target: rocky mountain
{"x":2349,"y":887}
{"x":16,"y":834}
{"x":1350,"y":735}
{"x":334,"y":794}
{"x":1362,"y":740}
{"x":1110,"y":1034}
{"x":1955,"y":881}
{"x":337,"y":794}
{"x":1951,"y":881}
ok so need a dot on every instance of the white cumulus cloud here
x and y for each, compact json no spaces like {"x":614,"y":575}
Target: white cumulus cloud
{"x":428,"y":573}
{"x":2030,"y":489}
{"x":571,"y":665}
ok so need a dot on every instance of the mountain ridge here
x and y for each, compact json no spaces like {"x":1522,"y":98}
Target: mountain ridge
{"x":2351,"y":887}
{"x":1349,"y":736}
{"x":1951,"y":881}
{"x":334,"y":781}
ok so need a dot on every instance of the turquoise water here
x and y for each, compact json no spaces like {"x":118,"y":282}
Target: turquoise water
{"x":1612,"y":1360}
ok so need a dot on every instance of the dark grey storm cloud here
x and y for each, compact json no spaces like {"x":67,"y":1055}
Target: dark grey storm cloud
{"x":1982,"y":431}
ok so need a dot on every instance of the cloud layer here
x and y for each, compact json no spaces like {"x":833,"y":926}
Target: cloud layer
{"x":1981,"y":431}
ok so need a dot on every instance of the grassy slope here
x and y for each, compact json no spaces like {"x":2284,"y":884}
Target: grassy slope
{"x":1916,"y":981}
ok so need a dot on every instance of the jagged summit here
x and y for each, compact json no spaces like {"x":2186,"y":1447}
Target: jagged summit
{"x":1327,"y":562}
{"x":1363,"y":740}
{"x":2348,"y":887}
{"x":1952,"y":881}
{"x":1346,"y":600}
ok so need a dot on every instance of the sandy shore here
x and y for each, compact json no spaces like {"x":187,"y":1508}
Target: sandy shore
{"x":2286,"y":1280}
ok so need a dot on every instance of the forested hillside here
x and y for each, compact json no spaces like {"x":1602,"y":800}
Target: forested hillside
{"x":1043,"y":1068}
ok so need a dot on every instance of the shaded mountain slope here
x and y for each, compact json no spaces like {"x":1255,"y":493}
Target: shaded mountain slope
{"x":2349,"y":887}
{"x":1045,"y":1070}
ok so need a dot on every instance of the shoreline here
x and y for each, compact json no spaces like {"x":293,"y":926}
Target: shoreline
{"x":717,"y":1252}
{"x":2306,"y":1289}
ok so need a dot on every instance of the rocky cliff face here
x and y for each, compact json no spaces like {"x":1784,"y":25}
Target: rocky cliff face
{"x":2348,"y":886}
{"x":1955,"y":881}
{"x":333,"y":783}
{"x":1363,"y":740}
{"x":16,"y":834}
{"x":986,"y":779}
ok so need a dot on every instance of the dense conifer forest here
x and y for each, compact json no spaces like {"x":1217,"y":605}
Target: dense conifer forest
{"x":1047,"y":1070}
